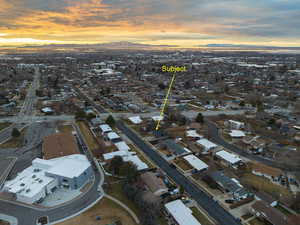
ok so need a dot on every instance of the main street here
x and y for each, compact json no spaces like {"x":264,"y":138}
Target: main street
{"x":205,"y":201}
{"x":26,"y":110}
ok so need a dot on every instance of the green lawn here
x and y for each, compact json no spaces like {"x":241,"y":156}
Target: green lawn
{"x":200,"y":216}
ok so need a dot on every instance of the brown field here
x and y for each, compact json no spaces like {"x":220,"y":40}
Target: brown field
{"x":109,"y":212}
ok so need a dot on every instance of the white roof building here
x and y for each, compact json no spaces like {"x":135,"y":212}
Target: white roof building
{"x":237,"y":133}
{"x":105,"y":128}
{"x":206,"y":144}
{"x":110,"y":155}
{"x":193,"y":134}
{"x":137,"y":161}
{"x":127,"y":156}
{"x":181,"y":214}
{"x":122,"y":146}
{"x":70,"y":166}
{"x":228,"y":157}
{"x":196,"y":162}
{"x":135,"y":119}
{"x":157,"y":118}
{"x":112,"y":135}
{"x":34,"y":183}
{"x":236,"y":124}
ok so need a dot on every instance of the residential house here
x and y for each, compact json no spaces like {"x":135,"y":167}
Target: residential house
{"x":230,"y":185}
{"x":181,"y":214}
{"x":175,"y":148}
{"x":269,"y":199}
{"x":196,"y":163}
{"x":269,"y":213}
{"x":154,"y":183}
{"x":228,"y":159}
{"x":233,"y":124}
{"x":206,"y":145}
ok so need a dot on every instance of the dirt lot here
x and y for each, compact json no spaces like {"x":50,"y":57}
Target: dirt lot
{"x":107,"y":210}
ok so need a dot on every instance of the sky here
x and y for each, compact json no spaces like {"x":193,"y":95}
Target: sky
{"x":185,"y":23}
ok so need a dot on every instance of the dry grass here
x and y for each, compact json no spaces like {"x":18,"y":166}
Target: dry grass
{"x":88,"y":136}
{"x":109,"y":212}
{"x":14,"y":142}
{"x":116,"y":190}
{"x":183,"y":164}
{"x":265,"y":185}
{"x":202,"y":218}
{"x":66,"y":128}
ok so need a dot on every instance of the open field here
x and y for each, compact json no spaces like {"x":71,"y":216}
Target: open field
{"x":107,"y":210}
{"x":200,"y":216}
{"x":88,"y":136}
{"x":65,"y":128}
{"x":265,"y":185}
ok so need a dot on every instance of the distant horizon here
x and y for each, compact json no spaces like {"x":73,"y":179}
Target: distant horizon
{"x":185,"y":24}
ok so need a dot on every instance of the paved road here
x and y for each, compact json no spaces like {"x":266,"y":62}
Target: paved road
{"x":26,"y":110}
{"x":30,"y":119}
{"x":213,"y":133}
{"x":212,"y":207}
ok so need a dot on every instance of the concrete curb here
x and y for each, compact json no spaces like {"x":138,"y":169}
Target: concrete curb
{"x":78,"y":213}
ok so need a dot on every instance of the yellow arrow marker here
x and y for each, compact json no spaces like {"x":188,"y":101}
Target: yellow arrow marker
{"x":165,"y":102}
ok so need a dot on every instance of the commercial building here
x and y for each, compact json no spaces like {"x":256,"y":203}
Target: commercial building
{"x":43,"y":177}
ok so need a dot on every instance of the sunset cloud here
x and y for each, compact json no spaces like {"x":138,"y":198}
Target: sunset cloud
{"x":187,"y":23}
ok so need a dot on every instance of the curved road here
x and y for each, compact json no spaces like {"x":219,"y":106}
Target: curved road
{"x":27,"y":215}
